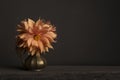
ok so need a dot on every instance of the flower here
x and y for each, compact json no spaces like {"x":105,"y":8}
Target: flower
{"x":36,"y":37}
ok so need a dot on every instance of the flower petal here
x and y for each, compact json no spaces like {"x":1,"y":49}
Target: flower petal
{"x":19,"y":30}
{"x":52,"y":34}
{"x":30,"y":23}
{"x":21,"y":45}
{"x":46,"y":48}
{"x":46,"y":25}
{"x":33,"y":52}
{"x":29,"y":41}
{"x":37,"y":23}
{"x":50,"y":38}
{"x":25,"y":24}
{"x":30,"y":30}
{"x":34,"y":43}
{"x":41,"y":46}
{"x":50,"y":46}
{"x":39,"y":27}
{"x":46,"y":40}
{"x":47,"y":43}
{"x":22,"y":35}
{"x":25,"y":45}
{"x":31,"y":48}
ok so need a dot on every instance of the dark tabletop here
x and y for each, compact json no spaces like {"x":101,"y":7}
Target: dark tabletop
{"x":62,"y":73}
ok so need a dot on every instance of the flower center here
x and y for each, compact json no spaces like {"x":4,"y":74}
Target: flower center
{"x":37,"y":37}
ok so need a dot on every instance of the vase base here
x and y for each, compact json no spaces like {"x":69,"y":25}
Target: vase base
{"x":37,"y":70}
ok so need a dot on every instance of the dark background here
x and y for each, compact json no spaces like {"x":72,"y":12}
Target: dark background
{"x":88,"y":30}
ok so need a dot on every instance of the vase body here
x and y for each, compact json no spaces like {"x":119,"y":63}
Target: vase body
{"x":36,"y":63}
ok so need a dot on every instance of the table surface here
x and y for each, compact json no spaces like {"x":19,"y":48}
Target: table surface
{"x":62,"y":73}
{"x":50,"y":69}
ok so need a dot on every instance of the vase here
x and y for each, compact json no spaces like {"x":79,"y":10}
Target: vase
{"x":35,"y":63}
{"x":31,"y":62}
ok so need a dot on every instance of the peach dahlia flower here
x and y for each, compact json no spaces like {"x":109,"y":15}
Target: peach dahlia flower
{"x":36,"y":37}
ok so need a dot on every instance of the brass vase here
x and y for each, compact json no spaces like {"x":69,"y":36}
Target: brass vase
{"x":35,"y":63}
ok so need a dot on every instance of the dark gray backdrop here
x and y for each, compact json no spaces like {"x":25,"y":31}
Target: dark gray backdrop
{"x":88,"y":30}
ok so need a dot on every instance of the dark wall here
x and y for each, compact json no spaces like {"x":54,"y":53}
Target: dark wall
{"x":88,"y":30}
